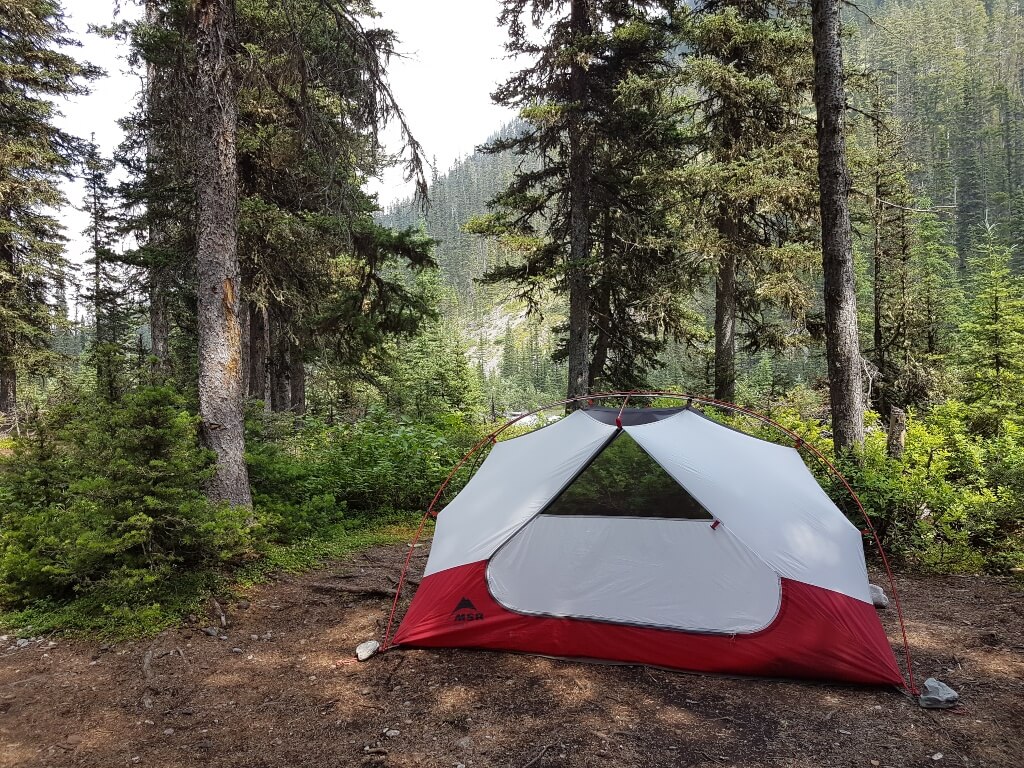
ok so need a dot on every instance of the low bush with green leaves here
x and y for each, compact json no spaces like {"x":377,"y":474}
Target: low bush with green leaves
{"x":308,"y":476}
{"x":950,"y":503}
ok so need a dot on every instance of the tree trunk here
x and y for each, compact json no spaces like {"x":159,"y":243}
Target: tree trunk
{"x":159,"y":316}
{"x":8,"y":370}
{"x":897,"y":433}
{"x":725,"y":312}
{"x":603,"y":310}
{"x":279,"y":367}
{"x":221,"y":397}
{"x":577,"y":268}
{"x":257,"y":378}
{"x":298,"y":379}
{"x":159,"y":311}
{"x":842,"y":347}
{"x":8,"y":389}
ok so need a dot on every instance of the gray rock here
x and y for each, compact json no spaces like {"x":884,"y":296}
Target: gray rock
{"x":242,"y":605}
{"x":392,"y":733}
{"x":937,"y":695}
{"x":367,"y":649}
{"x":465,"y":743}
{"x":878,"y":597}
{"x":22,"y":643}
{"x":211,"y":631}
{"x":236,"y":650}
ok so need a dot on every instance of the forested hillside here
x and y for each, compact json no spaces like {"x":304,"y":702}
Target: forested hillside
{"x":257,"y":367}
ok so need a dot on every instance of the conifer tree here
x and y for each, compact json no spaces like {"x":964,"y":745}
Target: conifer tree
{"x":35,"y":156}
{"x":750,"y":183}
{"x":107,"y":293}
{"x":585,"y":212}
{"x":991,"y":337}
{"x":841,"y":338}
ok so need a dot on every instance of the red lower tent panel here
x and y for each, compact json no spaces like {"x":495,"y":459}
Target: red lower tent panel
{"x":818,"y":634}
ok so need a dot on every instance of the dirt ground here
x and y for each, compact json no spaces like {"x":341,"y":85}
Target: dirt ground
{"x":274,"y":694}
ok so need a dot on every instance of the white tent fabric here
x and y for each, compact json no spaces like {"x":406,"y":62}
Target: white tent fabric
{"x":765,"y":495}
{"x":667,"y":573}
{"x":516,"y":481}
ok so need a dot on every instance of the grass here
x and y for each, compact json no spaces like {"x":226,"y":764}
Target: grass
{"x":122,"y":614}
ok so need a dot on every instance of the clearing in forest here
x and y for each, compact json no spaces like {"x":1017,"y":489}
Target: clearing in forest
{"x":273,"y":694}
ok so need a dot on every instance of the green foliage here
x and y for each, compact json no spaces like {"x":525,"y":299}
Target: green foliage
{"x":625,"y":480}
{"x":951,"y":502}
{"x":34,"y":156}
{"x":323,"y":474}
{"x":991,"y":338}
{"x":109,"y":494}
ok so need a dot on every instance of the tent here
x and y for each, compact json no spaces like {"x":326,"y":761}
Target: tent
{"x":652,"y":536}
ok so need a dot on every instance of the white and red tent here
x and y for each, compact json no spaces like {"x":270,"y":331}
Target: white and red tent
{"x":652,"y":536}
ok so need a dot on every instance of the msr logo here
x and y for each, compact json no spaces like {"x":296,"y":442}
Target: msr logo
{"x":466,"y":611}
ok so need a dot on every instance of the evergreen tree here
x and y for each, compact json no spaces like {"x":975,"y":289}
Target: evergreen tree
{"x":586,"y":212}
{"x":991,"y":338}
{"x":108,"y":291}
{"x":750,"y":183}
{"x":841,"y":338}
{"x":34,"y":156}
{"x":318,"y":278}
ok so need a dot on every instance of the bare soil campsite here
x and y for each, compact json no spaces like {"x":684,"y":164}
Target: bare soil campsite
{"x":278,"y":687}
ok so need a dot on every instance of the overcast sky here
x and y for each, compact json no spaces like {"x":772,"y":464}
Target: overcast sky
{"x":453,"y":56}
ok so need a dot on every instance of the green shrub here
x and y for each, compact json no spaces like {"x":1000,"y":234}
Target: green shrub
{"x":109,"y":494}
{"x":951,"y":503}
{"x":307,"y":477}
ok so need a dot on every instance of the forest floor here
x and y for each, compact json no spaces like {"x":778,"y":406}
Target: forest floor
{"x":279,"y":691}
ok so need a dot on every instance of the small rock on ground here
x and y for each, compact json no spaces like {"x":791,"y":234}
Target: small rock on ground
{"x":367,"y":649}
{"x":937,"y":695}
{"x":878,"y":597}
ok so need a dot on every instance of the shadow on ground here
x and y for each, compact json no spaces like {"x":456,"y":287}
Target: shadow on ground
{"x":274,"y":694}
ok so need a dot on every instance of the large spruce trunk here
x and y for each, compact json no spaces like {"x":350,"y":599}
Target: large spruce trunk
{"x":842,"y":346}
{"x":221,"y":397}
{"x":579,"y":215}
{"x":725,"y":327}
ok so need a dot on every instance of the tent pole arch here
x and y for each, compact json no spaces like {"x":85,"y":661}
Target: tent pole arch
{"x":798,"y":443}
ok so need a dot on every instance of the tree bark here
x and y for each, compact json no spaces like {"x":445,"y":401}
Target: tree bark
{"x":725,"y":312}
{"x":159,"y":309}
{"x":577,"y":268}
{"x":603,"y":310}
{"x":298,"y":379}
{"x":842,"y":346}
{"x":897,"y":437}
{"x":8,"y":370}
{"x":257,"y":379}
{"x":279,"y":366}
{"x":159,"y":315}
{"x":221,"y":397}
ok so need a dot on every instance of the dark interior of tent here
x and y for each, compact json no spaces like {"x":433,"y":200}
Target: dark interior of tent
{"x":624,"y":481}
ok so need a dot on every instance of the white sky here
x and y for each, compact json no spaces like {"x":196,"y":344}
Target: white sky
{"x":453,"y":58}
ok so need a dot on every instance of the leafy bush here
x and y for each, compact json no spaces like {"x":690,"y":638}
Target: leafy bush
{"x":109,"y":494}
{"x":307,"y":477}
{"x":950,"y":503}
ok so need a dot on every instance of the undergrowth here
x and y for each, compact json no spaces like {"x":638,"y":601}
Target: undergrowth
{"x":118,"y":614}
